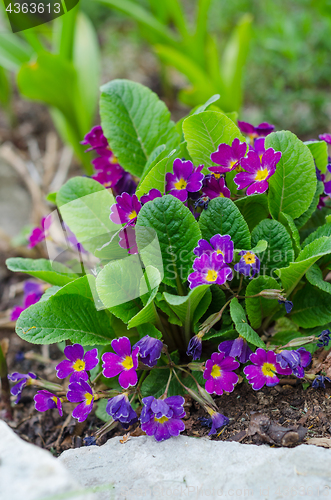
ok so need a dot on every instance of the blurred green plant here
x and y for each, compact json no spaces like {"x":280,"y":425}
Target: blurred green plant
{"x":194,"y":51}
{"x":59,"y":66}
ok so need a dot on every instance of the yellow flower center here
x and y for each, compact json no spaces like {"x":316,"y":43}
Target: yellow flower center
{"x":268,"y":369}
{"x":211,"y":275}
{"x":218,"y":251}
{"x":249,"y":258}
{"x":181,"y":184}
{"x":161,"y":420}
{"x":261,"y":174}
{"x":88,"y":398}
{"x":113,"y":159}
{"x":79,"y":365}
{"x":217,"y":176}
{"x":54,"y":398}
{"x":215,"y":371}
{"x":133,"y":215}
{"x":127,"y":363}
{"x":221,"y":195}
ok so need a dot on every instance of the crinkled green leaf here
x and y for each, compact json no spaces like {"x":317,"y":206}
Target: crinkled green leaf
{"x":135,"y":121}
{"x":315,"y":277}
{"x":223,"y":217}
{"x":319,"y":150}
{"x":177,"y":232}
{"x":321,"y":231}
{"x":239,"y":317}
{"x":253,"y":208}
{"x":304,"y":218}
{"x":293,"y":185}
{"x":156,"y":178}
{"x":205,"y":131}
{"x":69,"y":314}
{"x":259,"y":307}
{"x":312,"y":307}
{"x":291,"y":275}
{"x":54,"y":273}
{"x":292,"y":230}
{"x":118,"y":286}
{"x":164,"y":306}
{"x":85,"y":207}
{"x":185,"y":306}
{"x":279,"y":252}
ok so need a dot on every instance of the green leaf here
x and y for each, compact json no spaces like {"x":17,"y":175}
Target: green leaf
{"x":156,"y":178}
{"x":51,"y":197}
{"x":242,"y":327}
{"x":223,"y":217}
{"x":321,"y":231}
{"x":156,"y":382}
{"x":148,"y":314}
{"x":280,"y":252}
{"x":225,"y":332}
{"x":259,"y":307}
{"x":148,"y":329}
{"x":49,"y":292}
{"x":315,"y":277}
{"x":86,"y":59}
{"x":100,"y":411}
{"x":118,"y":286}
{"x":253,"y":208}
{"x":54,"y":273}
{"x":13,"y":51}
{"x":301,"y":221}
{"x":177,"y":232}
{"x":260,"y":247}
{"x":205,"y":131}
{"x":206,"y":105}
{"x":156,"y":156}
{"x":319,"y":150}
{"x":291,"y":275}
{"x":292,"y":230}
{"x":293,"y":185}
{"x":135,"y":122}
{"x":311,"y":307}
{"x":69,"y":314}
{"x":85,"y":207}
{"x":164,"y":306}
{"x":185,"y":307}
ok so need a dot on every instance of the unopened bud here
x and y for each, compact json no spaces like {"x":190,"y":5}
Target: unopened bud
{"x":196,"y":367}
{"x":300,"y":341}
{"x":271,"y":294}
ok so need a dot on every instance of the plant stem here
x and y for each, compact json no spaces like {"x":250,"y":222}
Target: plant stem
{"x":5,"y":388}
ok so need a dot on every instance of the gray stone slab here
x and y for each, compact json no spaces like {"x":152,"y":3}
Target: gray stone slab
{"x":184,"y":467}
{"x":30,"y":473}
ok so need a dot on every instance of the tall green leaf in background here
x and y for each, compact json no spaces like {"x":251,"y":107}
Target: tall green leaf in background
{"x":135,"y":122}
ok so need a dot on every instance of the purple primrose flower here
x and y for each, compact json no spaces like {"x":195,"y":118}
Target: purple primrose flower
{"x":107,"y":176}
{"x":78,"y":364}
{"x":222,"y":245}
{"x":149,"y":350}
{"x":288,"y":305}
{"x":125,"y":210}
{"x":237,"y":348}
{"x":22,"y":380}
{"x":325,"y":137}
{"x":120,"y":409}
{"x":39,"y":234}
{"x":228,"y":157}
{"x":32,"y":294}
{"x":219,"y":373}
{"x":161,"y":418}
{"x":249,"y":264}
{"x":257,"y":171}
{"x":324,"y":338}
{"x":151,"y":195}
{"x":81,"y":392}
{"x":264,"y":369}
{"x":194,"y":347}
{"x":215,"y":188}
{"x":186,"y":178}
{"x":124,"y":362}
{"x":252,"y":132}
{"x":319,"y":381}
{"x":208,"y":270}
{"x":127,"y":239}
{"x":45,"y":400}
{"x":217,"y":420}
{"x":96,"y":139}
{"x":259,"y":146}
{"x":295,"y":360}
